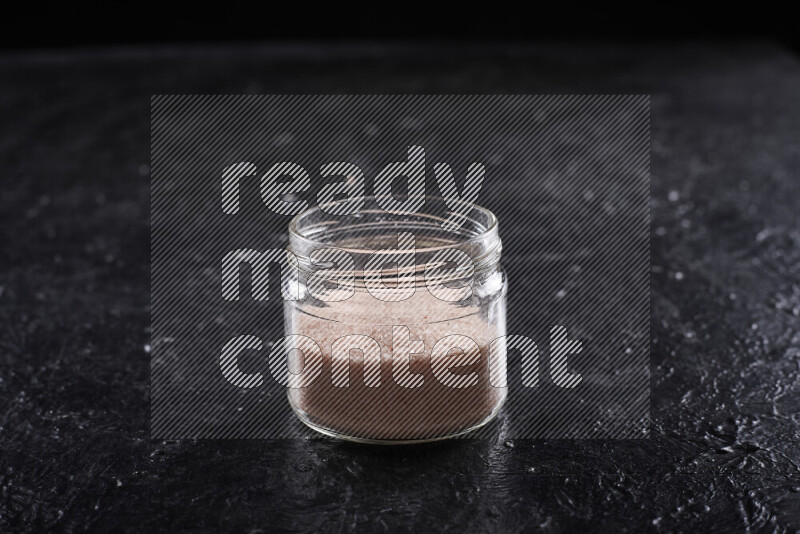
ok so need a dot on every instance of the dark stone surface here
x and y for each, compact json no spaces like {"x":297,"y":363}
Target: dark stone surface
{"x":74,"y":291}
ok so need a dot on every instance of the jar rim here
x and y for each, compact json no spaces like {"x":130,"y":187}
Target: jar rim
{"x":485,"y":231}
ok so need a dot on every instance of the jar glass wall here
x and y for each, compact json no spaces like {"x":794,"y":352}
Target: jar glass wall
{"x":408,"y":314}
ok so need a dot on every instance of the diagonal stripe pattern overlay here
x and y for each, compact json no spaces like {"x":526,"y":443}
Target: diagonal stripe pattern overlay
{"x":566,"y":175}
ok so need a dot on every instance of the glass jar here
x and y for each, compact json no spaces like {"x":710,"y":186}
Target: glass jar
{"x":400,"y":321}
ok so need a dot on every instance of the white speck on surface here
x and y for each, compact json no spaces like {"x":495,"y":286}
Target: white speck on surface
{"x":764,"y":234}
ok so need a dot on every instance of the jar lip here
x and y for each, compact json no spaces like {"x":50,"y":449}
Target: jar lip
{"x":485,"y":231}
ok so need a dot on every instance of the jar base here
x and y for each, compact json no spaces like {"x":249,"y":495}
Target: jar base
{"x":306,"y":420}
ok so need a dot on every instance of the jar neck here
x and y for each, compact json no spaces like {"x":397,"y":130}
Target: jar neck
{"x":403,"y":247}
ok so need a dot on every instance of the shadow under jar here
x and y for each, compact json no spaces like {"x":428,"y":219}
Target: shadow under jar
{"x":408,"y":315}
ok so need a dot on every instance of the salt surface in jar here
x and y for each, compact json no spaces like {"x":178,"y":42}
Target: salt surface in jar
{"x":406,"y":313}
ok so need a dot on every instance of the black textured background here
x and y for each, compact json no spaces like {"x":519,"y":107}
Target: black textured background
{"x":74,"y":294}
